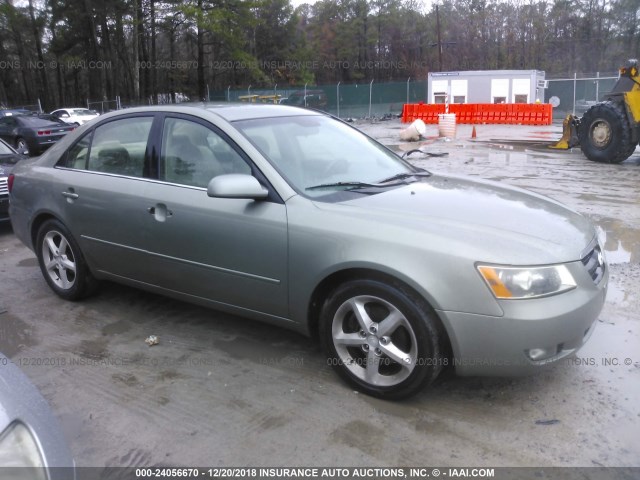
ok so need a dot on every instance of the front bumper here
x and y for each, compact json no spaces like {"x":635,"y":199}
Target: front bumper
{"x":504,"y":346}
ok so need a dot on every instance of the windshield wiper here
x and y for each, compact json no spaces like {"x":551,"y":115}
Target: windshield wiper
{"x":402,"y":176}
{"x":349,"y":185}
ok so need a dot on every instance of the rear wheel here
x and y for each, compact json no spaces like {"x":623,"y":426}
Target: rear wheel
{"x":381,"y":338}
{"x":605,"y":133}
{"x":62,"y":263}
{"x":21,"y":145}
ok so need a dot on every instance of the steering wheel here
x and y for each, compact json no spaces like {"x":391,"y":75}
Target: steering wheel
{"x":339,"y":165}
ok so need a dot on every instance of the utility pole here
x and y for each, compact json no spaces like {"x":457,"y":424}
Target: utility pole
{"x":440,"y":43}
{"x":439,"y":39}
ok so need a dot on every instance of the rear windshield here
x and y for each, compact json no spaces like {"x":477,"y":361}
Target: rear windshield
{"x":37,"y":122}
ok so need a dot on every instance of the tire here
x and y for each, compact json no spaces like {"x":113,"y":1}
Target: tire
{"x":62,"y":263}
{"x":21,"y":143}
{"x":605,"y":133}
{"x":393,"y":350}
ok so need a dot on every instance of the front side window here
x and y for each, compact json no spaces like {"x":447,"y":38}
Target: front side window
{"x":119,"y":147}
{"x":193,"y":154}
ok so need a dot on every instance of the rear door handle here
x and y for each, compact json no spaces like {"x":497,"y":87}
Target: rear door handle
{"x":70,"y":195}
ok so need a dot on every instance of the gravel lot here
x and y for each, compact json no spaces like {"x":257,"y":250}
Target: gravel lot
{"x":221,"y":390}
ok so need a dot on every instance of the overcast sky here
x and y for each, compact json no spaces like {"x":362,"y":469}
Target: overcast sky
{"x":296,"y":3}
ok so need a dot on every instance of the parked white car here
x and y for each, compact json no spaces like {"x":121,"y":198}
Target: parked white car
{"x":77,"y":116}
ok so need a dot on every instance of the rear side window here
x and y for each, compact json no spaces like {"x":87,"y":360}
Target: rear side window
{"x":78,"y":155}
{"x":116,"y":147}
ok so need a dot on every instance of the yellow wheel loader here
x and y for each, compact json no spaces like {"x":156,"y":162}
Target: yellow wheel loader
{"x":610,"y":130}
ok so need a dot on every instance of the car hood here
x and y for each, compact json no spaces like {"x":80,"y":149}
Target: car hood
{"x":487,"y":221}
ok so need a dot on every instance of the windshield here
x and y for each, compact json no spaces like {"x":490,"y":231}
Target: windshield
{"x":318,"y":151}
{"x":5,"y":150}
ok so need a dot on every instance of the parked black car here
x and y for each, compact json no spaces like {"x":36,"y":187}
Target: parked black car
{"x":33,"y":133}
{"x":8,"y":158}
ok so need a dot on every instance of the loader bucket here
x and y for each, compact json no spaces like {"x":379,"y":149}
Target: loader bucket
{"x":569,"y":134}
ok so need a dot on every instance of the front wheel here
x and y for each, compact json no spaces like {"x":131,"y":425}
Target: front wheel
{"x":605,"y":134}
{"x":381,"y":338}
{"x":62,"y":263}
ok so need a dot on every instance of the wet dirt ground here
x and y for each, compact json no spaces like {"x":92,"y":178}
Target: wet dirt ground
{"x":221,"y":390}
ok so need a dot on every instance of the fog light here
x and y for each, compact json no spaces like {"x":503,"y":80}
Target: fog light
{"x":539,"y":354}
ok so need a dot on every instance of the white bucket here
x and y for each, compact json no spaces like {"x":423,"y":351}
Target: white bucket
{"x":447,"y":125}
{"x":413,"y":132}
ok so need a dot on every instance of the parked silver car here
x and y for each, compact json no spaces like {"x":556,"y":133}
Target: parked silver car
{"x":31,"y":443}
{"x":292,"y":217}
{"x":8,"y":159}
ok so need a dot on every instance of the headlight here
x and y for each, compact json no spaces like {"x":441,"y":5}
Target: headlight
{"x":19,"y":449}
{"x":527,"y":282}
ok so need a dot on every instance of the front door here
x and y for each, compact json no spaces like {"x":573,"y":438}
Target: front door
{"x":232,"y":251}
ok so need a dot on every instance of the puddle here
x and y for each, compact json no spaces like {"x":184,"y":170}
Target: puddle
{"x":621,"y":243}
{"x":121,"y":326}
{"x":509,"y":159}
{"x":617,"y":296}
{"x":15,"y":335}
{"x":609,"y":198}
{"x":28,"y":262}
{"x":92,"y":349}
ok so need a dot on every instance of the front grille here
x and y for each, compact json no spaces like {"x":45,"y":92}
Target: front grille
{"x":4,"y":188}
{"x":594,"y":263}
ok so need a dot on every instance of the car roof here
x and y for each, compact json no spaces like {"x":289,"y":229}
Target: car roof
{"x":12,"y":112}
{"x":30,"y":120}
{"x":69,"y":109}
{"x":230,"y":112}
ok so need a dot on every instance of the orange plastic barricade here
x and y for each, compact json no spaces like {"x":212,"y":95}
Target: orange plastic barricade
{"x":426,"y":112}
{"x":477,"y":113}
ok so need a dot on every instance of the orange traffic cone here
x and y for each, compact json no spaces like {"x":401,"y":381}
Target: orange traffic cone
{"x":473,"y":132}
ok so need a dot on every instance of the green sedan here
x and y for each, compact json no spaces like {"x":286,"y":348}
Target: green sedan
{"x":294,"y":218}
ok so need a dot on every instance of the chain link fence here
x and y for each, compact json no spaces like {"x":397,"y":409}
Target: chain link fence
{"x":34,"y":107}
{"x":376,"y":100}
{"x":575,"y":95}
{"x":104,"y":106}
{"x":362,"y":100}
{"x":367,"y":100}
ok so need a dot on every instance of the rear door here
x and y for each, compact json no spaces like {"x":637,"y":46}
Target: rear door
{"x":100,"y":184}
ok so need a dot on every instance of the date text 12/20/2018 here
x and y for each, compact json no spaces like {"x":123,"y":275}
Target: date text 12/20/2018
{"x":314,"y":472}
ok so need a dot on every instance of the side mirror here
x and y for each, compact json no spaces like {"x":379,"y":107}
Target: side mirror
{"x":23,"y":151}
{"x":236,"y":185}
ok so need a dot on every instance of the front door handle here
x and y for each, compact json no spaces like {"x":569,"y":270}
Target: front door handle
{"x":160,"y":212}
